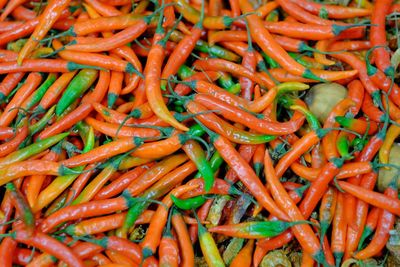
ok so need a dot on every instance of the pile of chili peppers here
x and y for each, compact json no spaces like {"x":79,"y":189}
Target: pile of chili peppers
{"x":175,"y":133}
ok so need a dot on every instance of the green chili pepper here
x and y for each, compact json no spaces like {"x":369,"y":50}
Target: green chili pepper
{"x":185,"y":72}
{"x":344,"y":121}
{"x":17,"y":45}
{"x":225,"y":80}
{"x":22,"y":207}
{"x":311,"y":118}
{"x":270,"y":61}
{"x":342,"y":145}
{"x":79,"y":84}
{"x":199,"y":158}
{"x":190,"y":203}
{"x":300,"y":60}
{"x":272,"y":15}
{"x":32,"y":149}
{"x":215,"y":162}
{"x":39,"y":93}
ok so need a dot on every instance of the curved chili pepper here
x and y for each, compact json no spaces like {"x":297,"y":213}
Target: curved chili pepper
{"x":152,"y":73}
{"x":392,"y":133}
{"x":385,"y":223}
{"x":190,"y":203}
{"x":238,"y":115}
{"x":370,"y":225}
{"x":378,"y":36}
{"x":50,"y":15}
{"x":194,"y":151}
{"x":303,"y":232}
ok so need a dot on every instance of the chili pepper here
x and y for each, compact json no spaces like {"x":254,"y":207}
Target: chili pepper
{"x":31,"y":83}
{"x":255,"y":230}
{"x":188,"y":204}
{"x":22,"y":208}
{"x":385,"y":223}
{"x":183,"y":49}
{"x":47,"y":244}
{"x":119,"y":39}
{"x":143,"y":182}
{"x":79,"y":84}
{"x":370,"y":225}
{"x":158,"y":189}
{"x":384,"y":151}
{"x":183,"y":239}
{"x":92,"y":60}
{"x":248,"y":119}
{"x":12,"y":145}
{"x":31,"y":150}
{"x":58,"y":185}
{"x":213,"y":50}
{"x":39,"y":93}
{"x":50,"y":15}
{"x":333,"y":11}
{"x":327,"y":210}
{"x":298,"y":13}
{"x":127,"y":247}
{"x":208,"y":246}
{"x":103,"y":152}
{"x":304,"y":233}
{"x":357,"y":125}
{"x":378,"y":37}
{"x":376,"y":199}
{"x":152,"y":84}
{"x":160,"y":218}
